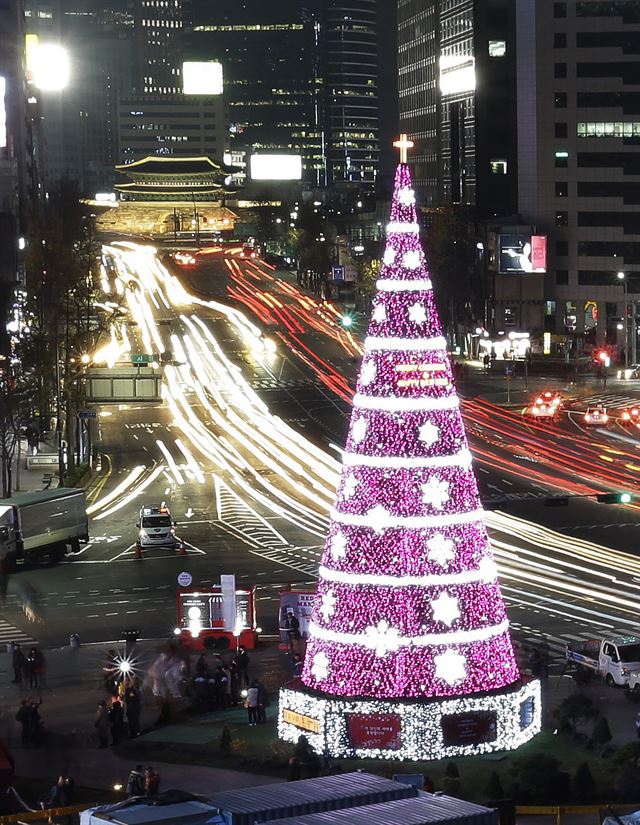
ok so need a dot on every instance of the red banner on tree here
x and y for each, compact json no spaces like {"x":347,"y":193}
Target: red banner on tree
{"x":374,"y":730}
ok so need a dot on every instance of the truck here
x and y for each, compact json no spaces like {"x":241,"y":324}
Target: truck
{"x":613,"y":659}
{"x":44,"y":524}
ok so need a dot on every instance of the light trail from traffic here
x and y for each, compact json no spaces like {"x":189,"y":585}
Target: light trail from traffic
{"x":229,"y":434}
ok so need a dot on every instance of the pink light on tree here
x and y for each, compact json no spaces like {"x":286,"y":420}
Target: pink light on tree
{"x":408,"y":604}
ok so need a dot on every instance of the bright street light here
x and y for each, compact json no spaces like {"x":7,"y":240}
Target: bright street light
{"x":51,"y":67}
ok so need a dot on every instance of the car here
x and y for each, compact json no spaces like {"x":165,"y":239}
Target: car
{"x":630,"y":372}
{"x":156,"y":528}
{"x":551,"y":397}
{"x":596,"y":415}
{"x":543,"y":412}
{"x":248,"y":251}
{"x":185,"y":258}
{"x":631,"y":415}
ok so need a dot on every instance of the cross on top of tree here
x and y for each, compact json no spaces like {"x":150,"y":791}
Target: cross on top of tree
{"x":403,"y":144}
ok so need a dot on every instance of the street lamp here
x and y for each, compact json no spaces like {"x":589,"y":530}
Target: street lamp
{"x":622,"y":277}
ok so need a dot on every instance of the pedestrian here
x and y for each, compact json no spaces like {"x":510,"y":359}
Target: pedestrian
{"x":637,"y":722}
{"x":292,"y":628}
{"x":102,"y":725}
{"x":132,"y":703}
{"x":135,"y":782}
{"x":251,"y":703}
{"x":31,"y":722}
{"x":19,"y":664}
{"x":243,"y":660}
{"x":221,"y":679}
{"x":296,"y":665}
{"x":151,"y":782}
{"x":61,"y":795}
{"x":263,"y":702}
{"x":110,"y":673}
{"x":35,"y":667}
{"x":201,"y":668}
{"x":22,"y":716}
{"x":115,"y":715}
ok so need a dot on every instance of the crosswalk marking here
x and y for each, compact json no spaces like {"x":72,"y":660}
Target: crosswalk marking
{"x":10,"y":633}
{"x":607,"y":400}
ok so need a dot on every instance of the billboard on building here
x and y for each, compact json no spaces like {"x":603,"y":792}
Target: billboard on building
{"x":522,"y":253}
{"x":276,"y":167}
{"x":202,"y":78}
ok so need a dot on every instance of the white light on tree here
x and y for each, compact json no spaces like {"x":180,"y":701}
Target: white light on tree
{"x":276,"y":167}
{"x":51,"y":67}
{"x":202,"y":78}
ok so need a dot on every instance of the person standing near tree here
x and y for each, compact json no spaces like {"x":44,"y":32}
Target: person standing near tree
{"x":132,"y":703}
{"x":242,"y":663}
{"x":101,"y":724}
{"x":115,"y":716}
{"x":251,"y":704}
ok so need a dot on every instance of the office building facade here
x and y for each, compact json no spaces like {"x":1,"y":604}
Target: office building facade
{"x":583,"y":170}
{"x":350,"y":59}
{"x":458,"y":97}
{"x":300,"y":78}
{"x":179,"y":126}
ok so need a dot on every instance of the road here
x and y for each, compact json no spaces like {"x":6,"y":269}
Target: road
{"x":245,"y":451}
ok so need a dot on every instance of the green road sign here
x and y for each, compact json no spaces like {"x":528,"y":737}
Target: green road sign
{"x":144,"y":359}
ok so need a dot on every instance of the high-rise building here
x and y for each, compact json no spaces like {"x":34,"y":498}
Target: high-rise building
{"x":350,"y":55}
{"x":80,"y":121}
{"x":457,"y":89}
{"x":579,"y":168}
{"x":177,"y":126}
{"x":158,"y":25}
{"x":272,"y":82}
{"x":300,"y":78}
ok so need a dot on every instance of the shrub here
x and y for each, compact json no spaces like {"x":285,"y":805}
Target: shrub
{"x":494,"y":790}
{"x":225,"y":739}
{"x":539,"y":779}
{"x":601,"y":733}
{"x":584,"y":786}
{"x":452,"y":771}
{"x":574,"y":710}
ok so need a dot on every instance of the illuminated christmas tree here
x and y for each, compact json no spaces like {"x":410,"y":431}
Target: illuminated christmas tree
{"x":409,"y":626}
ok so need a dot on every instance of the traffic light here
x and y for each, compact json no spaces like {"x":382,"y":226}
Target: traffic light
{"x":614,"y":498}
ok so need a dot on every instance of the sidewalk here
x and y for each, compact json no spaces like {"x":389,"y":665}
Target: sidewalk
{"x":73,"y":688}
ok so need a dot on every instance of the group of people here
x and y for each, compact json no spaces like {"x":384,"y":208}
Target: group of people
{"x":118,"y":717}
{"x":217,"y":684}
{"x":143,"y":782}
{"x":28,"y":670}
{"x":28,"y":716}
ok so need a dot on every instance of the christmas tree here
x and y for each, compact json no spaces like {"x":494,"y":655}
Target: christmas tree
{"x":408,"y":603}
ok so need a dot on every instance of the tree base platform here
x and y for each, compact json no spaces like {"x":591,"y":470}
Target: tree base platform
{"x":411,"y":729}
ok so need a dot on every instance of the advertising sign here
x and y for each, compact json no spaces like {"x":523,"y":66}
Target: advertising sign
{"x":470,"y":728}
{"x":375,"y":731}
{"x":202,"y":78}
{"x":522,"y":253}
{"x":301,"y":605}
{"x":337,"y":273}
{"x":276,"y":167}
{"x":206,"y":610}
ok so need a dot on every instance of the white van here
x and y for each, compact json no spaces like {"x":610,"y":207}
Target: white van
{"x":156,"y":528}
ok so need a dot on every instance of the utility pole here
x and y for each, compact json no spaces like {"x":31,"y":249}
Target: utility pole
{"x":61,"y":467}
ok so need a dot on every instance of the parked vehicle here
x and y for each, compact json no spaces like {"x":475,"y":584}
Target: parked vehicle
{"x":156,"y":528}
{"x":44,"y":524}
{"x":613,"y":659}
